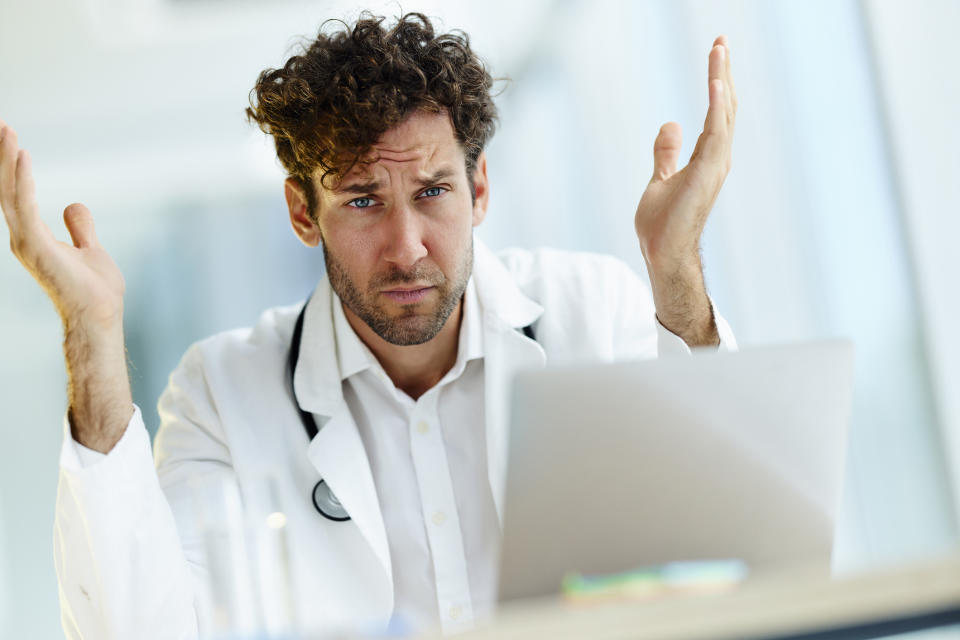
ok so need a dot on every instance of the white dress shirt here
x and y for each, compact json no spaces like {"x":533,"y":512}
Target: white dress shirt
{"x":429,"y":465}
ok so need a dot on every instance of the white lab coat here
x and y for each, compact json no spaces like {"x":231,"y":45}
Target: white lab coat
{"x":128,"y":547}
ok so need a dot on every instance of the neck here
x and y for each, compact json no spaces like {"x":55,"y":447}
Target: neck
{"x":413,"y":369}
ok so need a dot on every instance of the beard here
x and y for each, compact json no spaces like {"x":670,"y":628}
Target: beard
{"x":414,"y":325}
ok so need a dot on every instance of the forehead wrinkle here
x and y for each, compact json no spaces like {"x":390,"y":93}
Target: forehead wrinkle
{"x":424,"y":157}
{"x":421,"y":152}
{"x":427,"y":151}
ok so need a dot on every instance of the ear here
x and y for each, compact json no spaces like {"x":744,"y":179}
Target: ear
{"x":303,"y":225}
{"x":481,"y":187}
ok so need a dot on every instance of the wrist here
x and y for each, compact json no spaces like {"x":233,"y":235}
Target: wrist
{"x":99,"y":321}
{"x":676,"y":278}
{"x":679,"y":262}
{"x":682,"y":304}
{"x":695,"y":331}
{"x":100,"y":399}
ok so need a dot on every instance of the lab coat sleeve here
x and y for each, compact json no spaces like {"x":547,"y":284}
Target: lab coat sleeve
{"x":128,"y":547}
{"x":87,"y":457}
{"x":120,"y":568}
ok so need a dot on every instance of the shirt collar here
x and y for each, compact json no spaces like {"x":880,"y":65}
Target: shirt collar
{"x":470,"y":345}
{"x":352,"y":355}
{"x":471,"y":329}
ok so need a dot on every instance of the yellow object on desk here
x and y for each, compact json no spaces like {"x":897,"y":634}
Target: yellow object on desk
{"x":648,"y":583}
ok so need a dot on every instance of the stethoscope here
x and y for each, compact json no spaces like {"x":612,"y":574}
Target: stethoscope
{"x":324,"y":500}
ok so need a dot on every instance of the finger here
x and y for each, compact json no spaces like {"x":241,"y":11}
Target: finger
{"x":26,"y":212}
{"x":713,"y":140}
{"x":728,"y":79}
{"x":24,"y":191}
{"x":27,"y":231}
{"x":666,"y":151}
{"x":79,"y":223}
{"x":718,"y":112}
{"x":8,"y":171}
{"x":716,"y":62}
{"x":719,"y":62}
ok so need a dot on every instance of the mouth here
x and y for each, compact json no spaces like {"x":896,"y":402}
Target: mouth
{"x":407,"y":295}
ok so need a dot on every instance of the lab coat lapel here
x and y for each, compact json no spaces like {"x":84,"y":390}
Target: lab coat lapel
{"x":336,"y":451}
{"x":506,"y":310}
{"x":338,"y":454}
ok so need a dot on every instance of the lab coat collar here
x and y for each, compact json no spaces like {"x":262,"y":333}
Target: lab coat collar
{"x":500,"y":297}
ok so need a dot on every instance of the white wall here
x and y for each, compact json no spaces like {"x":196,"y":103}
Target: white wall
{"x":4,"y":573}
{"x":915,"y":49}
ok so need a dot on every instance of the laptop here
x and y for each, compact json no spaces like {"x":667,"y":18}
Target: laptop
{"x":715,"y":456}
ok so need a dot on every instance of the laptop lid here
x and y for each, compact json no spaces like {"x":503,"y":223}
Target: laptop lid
{"x":718,"y":455}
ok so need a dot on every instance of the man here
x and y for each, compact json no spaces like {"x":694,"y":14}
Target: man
{"x":397,"y":365}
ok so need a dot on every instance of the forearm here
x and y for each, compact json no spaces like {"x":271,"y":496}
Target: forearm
{"x":680,"y":297}
{"x":100,"y":400}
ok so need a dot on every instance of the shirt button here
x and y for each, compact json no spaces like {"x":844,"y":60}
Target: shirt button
{"x":455,"y":612}
{"x":439,"y":518}
{"x":423,"y":427}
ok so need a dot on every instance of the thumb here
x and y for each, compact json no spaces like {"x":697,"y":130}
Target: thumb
{"x":666,"y":151}
{"x":79,"y":223}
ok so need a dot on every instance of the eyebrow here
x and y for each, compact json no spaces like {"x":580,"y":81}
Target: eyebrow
{"x":372,"y":186}
{"x":440,"y":174}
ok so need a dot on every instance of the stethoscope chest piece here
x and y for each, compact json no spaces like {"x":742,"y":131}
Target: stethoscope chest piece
{"x":327,"y":504}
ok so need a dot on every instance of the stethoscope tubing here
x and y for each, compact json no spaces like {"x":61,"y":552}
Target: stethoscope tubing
{"x":323,"y":498}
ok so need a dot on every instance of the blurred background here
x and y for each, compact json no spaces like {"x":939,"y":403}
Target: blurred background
{"x":839,"y":218}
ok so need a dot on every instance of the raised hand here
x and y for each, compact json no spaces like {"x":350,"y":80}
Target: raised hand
{"x":81,"y":279}
{"x":674,"y":208}
{"x":86,"y":287}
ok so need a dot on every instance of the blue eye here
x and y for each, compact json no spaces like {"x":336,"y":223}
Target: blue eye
{"x":432,"y":192}
{"x":360,"y":203}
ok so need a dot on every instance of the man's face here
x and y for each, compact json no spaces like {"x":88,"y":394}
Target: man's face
{"x":398,"y":233}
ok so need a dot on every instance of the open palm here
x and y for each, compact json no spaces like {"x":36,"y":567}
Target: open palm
{"x":82,"y":279}
{"x":674,"y":208}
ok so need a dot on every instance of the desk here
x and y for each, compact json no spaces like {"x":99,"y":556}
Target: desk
{"x":789,"y":606}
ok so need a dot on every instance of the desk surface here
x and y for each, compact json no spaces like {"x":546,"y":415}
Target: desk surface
{"x":790,"y":605}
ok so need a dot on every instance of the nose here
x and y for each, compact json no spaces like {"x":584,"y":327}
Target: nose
{"x":404,"y":229}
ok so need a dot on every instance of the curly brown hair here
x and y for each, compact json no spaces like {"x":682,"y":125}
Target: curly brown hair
{"x":328,"y":106}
